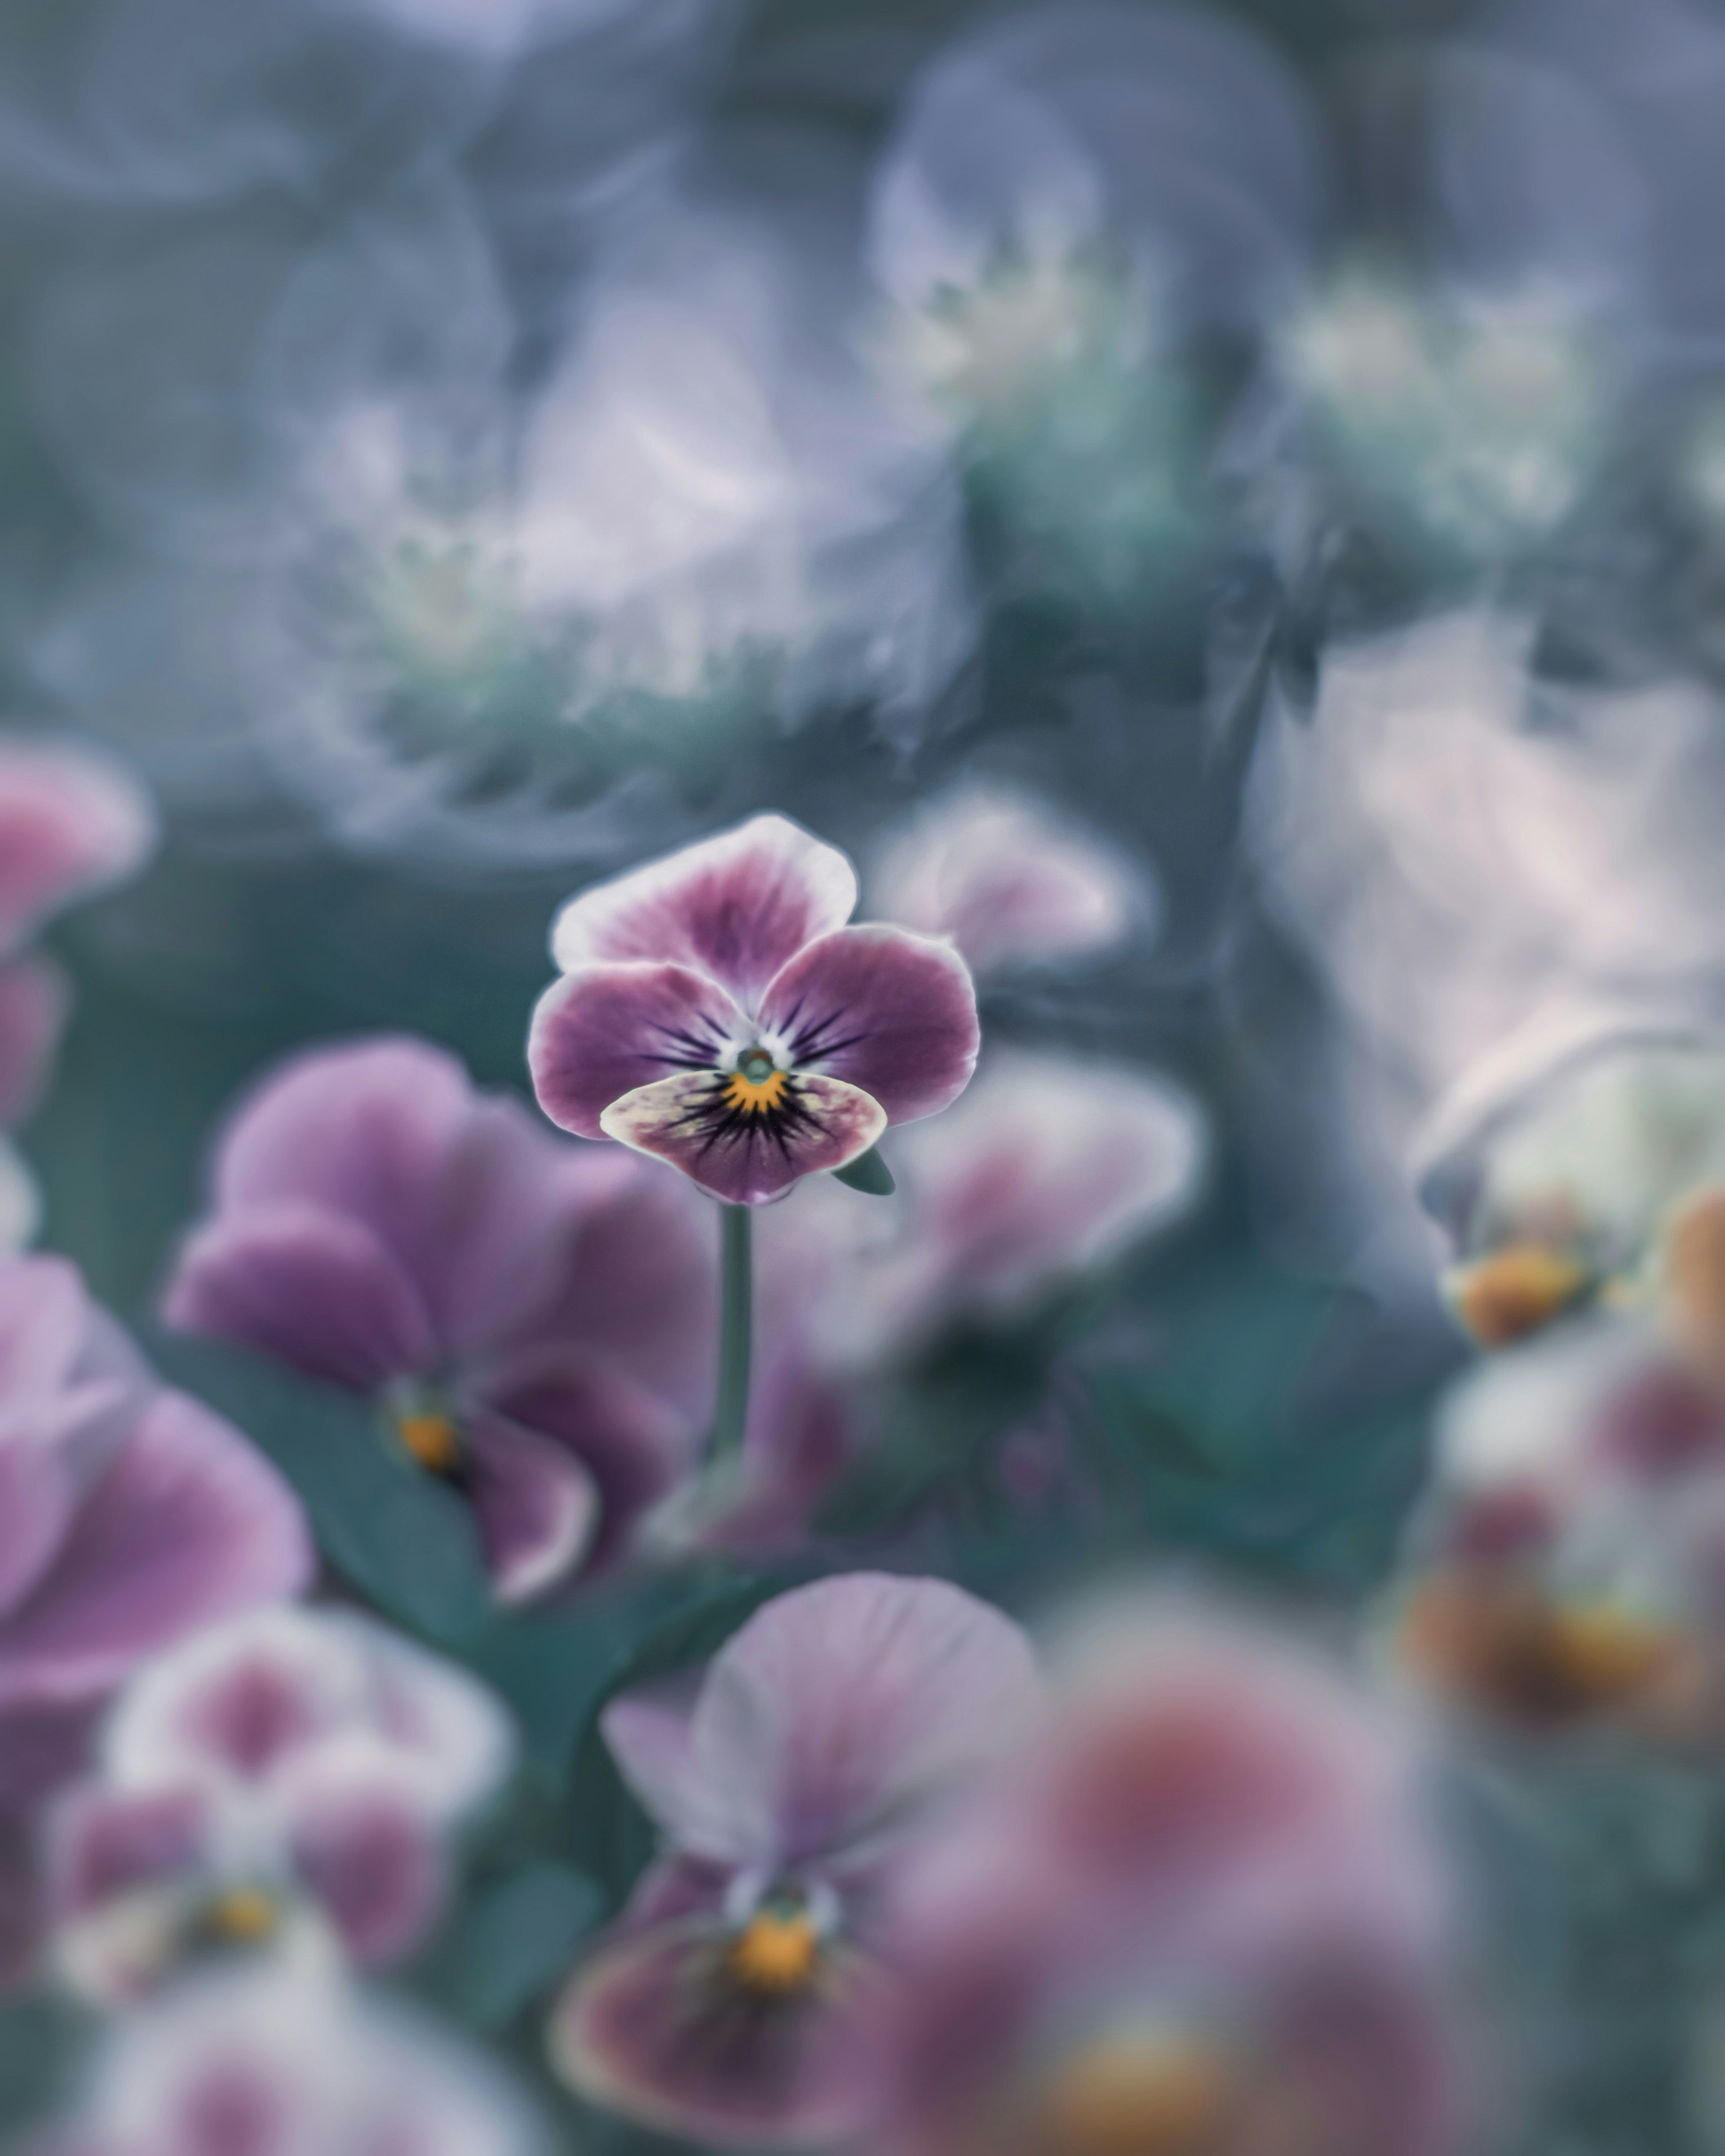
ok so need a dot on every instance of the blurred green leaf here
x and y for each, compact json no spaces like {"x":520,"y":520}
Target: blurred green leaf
{"x":404,"y":1541}
{"x":513,"y":1942}
{"x":869,"y":1174}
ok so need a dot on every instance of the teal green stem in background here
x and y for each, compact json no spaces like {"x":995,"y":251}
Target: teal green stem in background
{"x":731,"y":1411}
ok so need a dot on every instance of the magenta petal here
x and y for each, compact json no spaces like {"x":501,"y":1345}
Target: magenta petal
{"x":307,"y":1287}
{"x":38,"y":1493}
{"x":653,"y":2027}
{"x":885,"y":1010}
{"x":610,"y":1029}
{"x":70,"y":822}
{"x":33,"y":1001}
{"x":737,"y":907}
{"x":101,"y":1842}
{"x":370,"y":1856}
{"x":536,"y":1506}
{"x":746,"y":1160}
{"x":188,"y":1525}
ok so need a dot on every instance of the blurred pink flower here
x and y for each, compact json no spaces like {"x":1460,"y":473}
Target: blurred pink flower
{"x":129,"y":1517}
{"x":1009,"y":880}
{"x":289,"y":1758}
{"x":533,"y":1316}
{"x":283,"y":2062}
{"x":819,"y":1740}
{"x":717,"y":1012}
{"x":1201,"y":1916}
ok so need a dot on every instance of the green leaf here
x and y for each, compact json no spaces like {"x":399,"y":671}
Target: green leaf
{"x":513,"y":1941}
{"x":869,"y":1174}
{"x":407,"y":1541}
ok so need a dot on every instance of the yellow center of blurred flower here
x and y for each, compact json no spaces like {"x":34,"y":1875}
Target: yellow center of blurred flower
{"x":1138,"y":2095}
{"x":1514,"y":1292}
{"x":776,"y":1955}
{"x":756,"y":1084}
{"x":1694,"y":1280}
{"x":433,"y":1439}
{"x":245,"y":1915}
{"x":1506,"y":1645}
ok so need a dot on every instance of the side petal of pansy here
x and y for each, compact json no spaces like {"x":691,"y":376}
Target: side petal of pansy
{"x":673,"y":2027}
{"x":611,"y":1030}
{"x":743,"y":1155}
{"x":737,"y":907}
{"x":537,"y":1506}
{"x":892,"y":1012}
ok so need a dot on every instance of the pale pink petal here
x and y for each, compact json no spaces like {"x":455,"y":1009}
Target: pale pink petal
{"x":747,"y":1158}
{"x":188,"y":1525}
{"x":307,"y":1287}
{"x":71,"y":822}
{"x":736,"y":907}
{"x":652,"y":2027}
{"x":610,"y":1029}
{"x":34,"y":1002}
{"x":44,"y":1317}
{"x":537,"y":1506}
{"x":889,"y":1012}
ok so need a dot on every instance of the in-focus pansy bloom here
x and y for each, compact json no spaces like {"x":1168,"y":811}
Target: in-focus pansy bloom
{"x":716,"y":1011}
{"x":290,"y":1760}
{"x":129,"y":1517}
{"x":529,"y":1316}
{"x":1010,"y":881}
{"x":1203,"y":1917}
{"x":829,"y":1731}
{"x":1563,"y":1575}
{"x":289,"y":2060}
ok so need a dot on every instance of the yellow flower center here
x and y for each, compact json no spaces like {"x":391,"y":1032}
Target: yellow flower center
{"x":1514,"y":1292}
{"x":433,"y":1439}
{"x":245,"y":1915}
{"x":1506,"y":1645}
{"x":756,"y":1084}
{"x":776,"y":1956}
{"x":1138,"y":2095}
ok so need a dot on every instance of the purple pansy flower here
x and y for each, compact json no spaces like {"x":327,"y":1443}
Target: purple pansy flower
{"x":1201,"y":1913}
{"x":289,"y":1760}
{"x":289,"y":2060}
{"x":531,"y":1316}
{"x":826,"y":1733}
{"x":717,"y":1012}
{"x":129,"y":1517}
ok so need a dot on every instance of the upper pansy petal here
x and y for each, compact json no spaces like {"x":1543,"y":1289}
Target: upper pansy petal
{"x":840,"y":1706}
{"x":611,"y":1030}
{"x":70,"y":823}
{"x":654,"y":2026}
{"x":892,"y":1012}
{"x":307,"y":1287}
{"x":737,"y":906}
{"x":747,"y":1158}
{"x":536,"y":1505}
{"x":188,"y":1525}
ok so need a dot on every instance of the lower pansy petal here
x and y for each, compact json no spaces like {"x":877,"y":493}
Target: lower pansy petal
{"x":611,"y":1030}
{"x":664,"y":2026}
{"x":889,"y":1012}
{"x":746,"y":1155}
{"x":536,"y":1506}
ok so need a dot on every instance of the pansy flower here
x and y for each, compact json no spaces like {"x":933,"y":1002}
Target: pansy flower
{"x":290,"y":1761}
{"x":716,"y":1011}
{"x":529,"y":1317}
{"x":129,"y":1517}
{"x":820,"y":1739}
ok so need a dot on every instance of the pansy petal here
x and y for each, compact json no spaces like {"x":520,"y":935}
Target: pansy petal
{"x":892,"y":1012}
{"x":102,"y":1842}
{"x":306,"y":1287}
{"x":34,"y":1002}
{"x":736,"y":907}
{"x":70,"y":823}
{"x":536,"y":1506}
{"x":655,"y":2027}
{"x":369,"y":1855}
{"x":188,"y":1525}
{"x":610,"y":1029}
{"x":747,"y":1158}
{"x":44,"y":1318}
{"x":38,"y":1493}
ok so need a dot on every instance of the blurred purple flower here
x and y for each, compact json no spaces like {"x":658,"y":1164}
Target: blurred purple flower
{"x":1010,"y":881}
{"x":717,"y":1012}
{"x":129,"y":1517}
{"x":531,"y":1315}
{"x":290,"y":1759}
{"x":819,"y":1740}
{"x":286,"y":2062}
{"x":1201,"y":1916}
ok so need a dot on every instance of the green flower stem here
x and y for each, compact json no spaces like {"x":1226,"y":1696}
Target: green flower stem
{"x":731,"y":1411}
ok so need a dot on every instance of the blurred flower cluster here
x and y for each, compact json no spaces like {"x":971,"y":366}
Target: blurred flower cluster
{"x":862,"y":1078}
